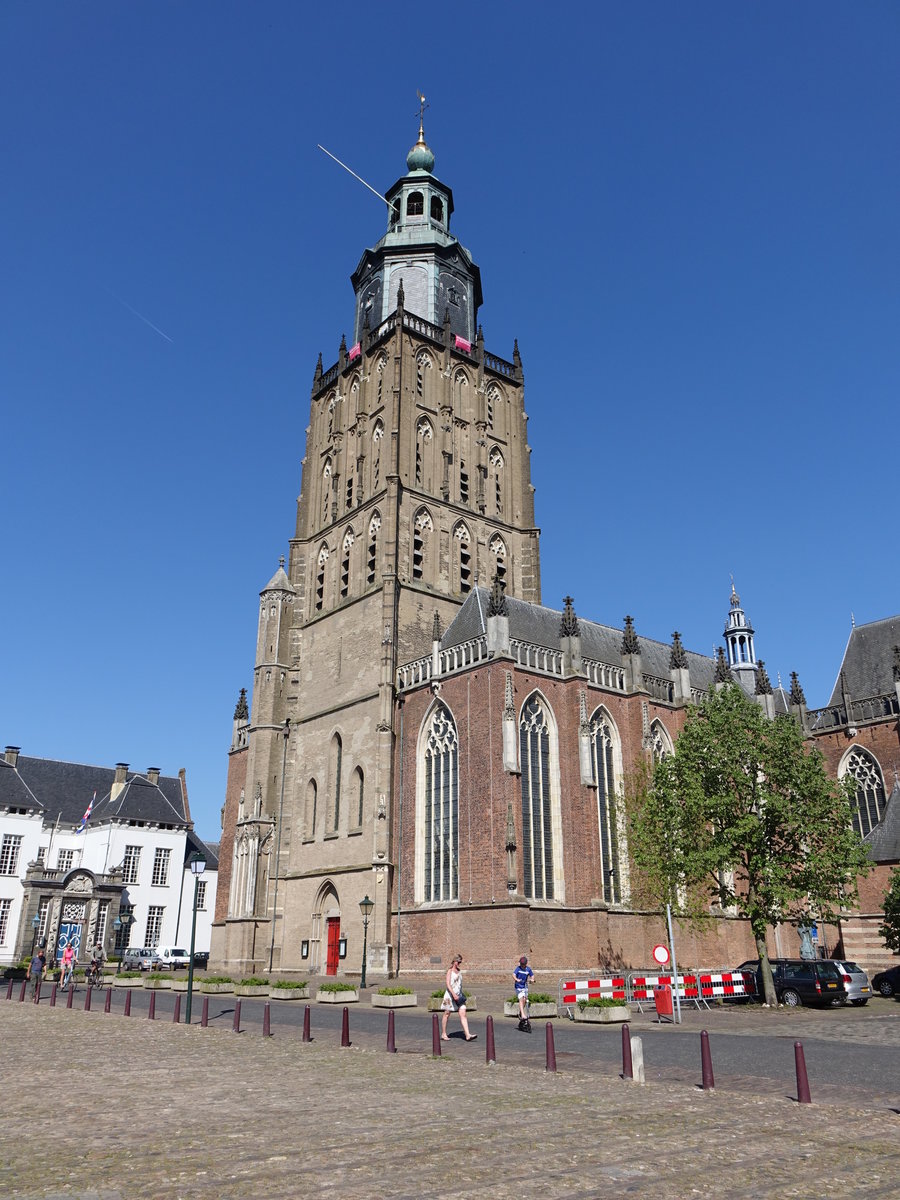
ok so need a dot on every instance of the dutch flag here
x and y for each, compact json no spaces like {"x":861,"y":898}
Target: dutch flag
{"x":82,"y":824}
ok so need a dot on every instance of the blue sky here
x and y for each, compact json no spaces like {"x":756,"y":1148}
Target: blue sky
{"x":685,"y":213}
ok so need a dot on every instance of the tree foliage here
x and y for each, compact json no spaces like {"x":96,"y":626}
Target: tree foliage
{"x":890,"y":928}
{"x":743,"y":815}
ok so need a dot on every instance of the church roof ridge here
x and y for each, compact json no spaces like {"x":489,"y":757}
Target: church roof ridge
{"x":867,"y":665}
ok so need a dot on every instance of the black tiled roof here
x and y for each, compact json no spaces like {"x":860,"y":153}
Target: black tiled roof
{"x":540,"y":626}
{"x":868,"y":665}
{"x":210,"y":852}
{"x":63,"y":790}
{"x":884,"y":840}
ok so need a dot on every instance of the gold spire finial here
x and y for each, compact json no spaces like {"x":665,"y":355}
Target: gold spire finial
{"x":422,"y":107}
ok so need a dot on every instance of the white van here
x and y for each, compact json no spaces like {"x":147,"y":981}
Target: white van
{"x":172,"y":958}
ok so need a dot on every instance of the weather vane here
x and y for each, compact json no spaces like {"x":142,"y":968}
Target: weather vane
{"x":422,"y":105}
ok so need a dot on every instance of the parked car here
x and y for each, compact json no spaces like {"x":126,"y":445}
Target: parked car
{"x":802,"y":981}
{"x":856,"y":981}
{"x":201,"y":959}
{"x":140,"y":960}
{"x":173,"y":957}
{"x":887,"y":983}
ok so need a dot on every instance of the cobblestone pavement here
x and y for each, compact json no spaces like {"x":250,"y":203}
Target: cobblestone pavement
{"x":102,"y":1107}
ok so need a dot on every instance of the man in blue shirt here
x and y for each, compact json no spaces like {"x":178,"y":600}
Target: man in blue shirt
{"x":522,"y":975}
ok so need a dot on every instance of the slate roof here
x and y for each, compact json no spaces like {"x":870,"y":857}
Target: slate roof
{"x":539,"y":625}
{"x":884,"y":840}
{"x":210,"y":851}
{"x":63,"y":790}
{"x":868,"y":665}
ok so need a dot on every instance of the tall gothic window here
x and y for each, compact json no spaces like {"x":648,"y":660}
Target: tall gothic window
{"x":423,"y":364}
{"x":537,"y":815}
{"x":320,"y":577}
{"x":356,"y":794}
{"x":497,"y":550}
{"x":440,"y":791}
{"x":379,"y":373}
{"x":345,"y":563}
{"x":660,"y":742}
{"x":312,"y":795}
{"x":377,"y":439}
{"x":372,"y":547}
{"x":496,"y":461}
{"x":870,"y":797}
{"x":424,"y":435}
{"x":463,"y":542}
{"x":461,"y":393}
{"x":493,"y":396}
{"x":335,"y":780}
{"x":602,"y":754}
{"x":422,"y":530}
{"x":326,"y":490}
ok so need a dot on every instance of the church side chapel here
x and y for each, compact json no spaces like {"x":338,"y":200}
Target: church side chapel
{"x":457,"y":755}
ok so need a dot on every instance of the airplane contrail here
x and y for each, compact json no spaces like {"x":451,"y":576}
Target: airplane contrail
{"x":140,"y":316}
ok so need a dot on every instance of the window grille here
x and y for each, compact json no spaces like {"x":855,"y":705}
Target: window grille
{"x":604,"y":773}
{"x":336,"y":755}
{"x":201,"y":895}
{"x":64,"y":860}
{"x":870,"y":797}
{"x":5,"y":907}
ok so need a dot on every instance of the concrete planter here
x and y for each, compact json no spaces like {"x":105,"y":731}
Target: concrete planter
{"x":216,"y":989}
{"x":538,"y":1011}
{"x":181,"y":985}
{"x":434,"y":1004}
{"x":348,"y":997}
{"x":602,"y":1016}
{"x":409,"y":1001}
{"x":158,"y":985}
{"x":128,"y":983}
{"x":289,"y":993}
{"x":251,"y":989}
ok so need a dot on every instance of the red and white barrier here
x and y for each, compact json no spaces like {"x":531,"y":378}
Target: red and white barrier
{"x":608,"y":987}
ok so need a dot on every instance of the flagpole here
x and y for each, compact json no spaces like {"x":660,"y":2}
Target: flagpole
{"x":53,"y":833}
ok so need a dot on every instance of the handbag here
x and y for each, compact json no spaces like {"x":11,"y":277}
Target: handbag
{"x":461,"y":1002}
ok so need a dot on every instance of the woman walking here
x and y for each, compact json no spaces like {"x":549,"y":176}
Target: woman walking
{"x":455,"y":1000}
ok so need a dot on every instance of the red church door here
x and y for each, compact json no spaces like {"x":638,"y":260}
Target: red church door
{"x":333,"y":925}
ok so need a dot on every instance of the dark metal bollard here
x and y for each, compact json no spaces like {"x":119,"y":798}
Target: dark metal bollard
{"x":802,"y":1080}
{"x":709,"y":1082}
{"x":345,"y":1028}
{"x":107,"y":1004}
{"x":128,"y":1003}
{"x":267,"y":1020}
{"x":627,"y":1065}
{"x":24,"y":989}
{"x":9,"y":990}
{"x":391,"y":1044}
{"x":53,"y":996}
{"x":307,"y":1037}
{"x":236,"y":1025}
{"x":176,"y":1016}
{"x":71,"y":996}
{"x":435,"y":1036}
{"x":151,"y":1014}
{"x":490,"y":1054}
{"x":87,"y":999}
{"x":204,"y":1015}
{"x":551,"y":1049}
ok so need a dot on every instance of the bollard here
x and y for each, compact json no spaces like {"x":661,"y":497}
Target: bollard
{"x":267,"y":1026}
{"x":236,"y":1024}
{"x":204,"y":1015}
{"x":435,"y":1036}
{"x":551,"y":1049}
{"x":107,"y":1004}
{"x":9,"y":990}
{"x":151,"y":1014}
{"x":128,"y":1003}
{"x":709,"y":1082}
{"x":176,"y":1016}
{"x":53,"y":996}
{"x":345,"y":1028}
{"x":71,"y":995}
{"x":490,"y":1054}
{"x":391,"y":1045}
{"x":22,"y":993}
{"x":802,"y":1080}
{"x":637,"y":1059}
{"x":306,"y":1034}
{"x":87,"y":999}
{"x":627,"y":1065}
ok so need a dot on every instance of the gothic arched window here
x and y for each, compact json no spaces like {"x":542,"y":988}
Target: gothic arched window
{"x":462,"y":544}
{"x":540,"y":816}
{"x":357,"y":792}
{"x":312,"y":793}
{"x":334,"y":774}
{"x":496,"y":461}
{"x":321,"y":564}
{"x":372,"y":548}
{"x":660,"y":742}
{"x":870,"y":797}
{"x":326,"y":490}
{"x":497,"y":549}
{"x":423,"y":365}
{"x":603,"y":761}
{"x":437,"y":209}
{"x":493,"y":399}
{"x":438,"y":788}
{"x":345,"y":563}
{"x":422,"y":530}
{"x":415,"y":204}
{"x":377,"y":438}
{"x":424,"y":436}
{"x":379,"y":376}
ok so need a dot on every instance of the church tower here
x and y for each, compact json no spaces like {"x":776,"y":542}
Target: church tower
{"x":416,"y":484}
{"x":738,"y":636}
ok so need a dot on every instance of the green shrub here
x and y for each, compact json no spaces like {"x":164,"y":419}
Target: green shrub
{"x":291,"y":984}
{"x":217,"y":979}
{"x":336,"y":987}
{"x":129,"y":974}
{"x":439,"y":994}
{"x":157,"y":975}
{"x":395,"y":991}
{"x":601,"y":1002}
{"x":253,"y":981}
{"x":535,"y":998}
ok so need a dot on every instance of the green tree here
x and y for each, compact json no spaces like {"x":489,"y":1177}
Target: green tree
{"x":890,"y":928}
{"x":743,"y":814}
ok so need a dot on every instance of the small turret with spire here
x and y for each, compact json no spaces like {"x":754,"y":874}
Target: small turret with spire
{"x":739,"y":643}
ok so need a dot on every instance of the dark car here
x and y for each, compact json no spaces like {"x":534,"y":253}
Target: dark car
{"x":802,"y":981}
{"x":887,"y":983}
{"x":201,"y":959}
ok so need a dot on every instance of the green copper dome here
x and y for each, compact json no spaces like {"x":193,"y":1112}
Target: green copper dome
{"x":420,"y":158}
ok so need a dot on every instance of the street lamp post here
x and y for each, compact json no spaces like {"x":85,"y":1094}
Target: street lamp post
{"x":365,"y":907}
{"x":198,"y":866}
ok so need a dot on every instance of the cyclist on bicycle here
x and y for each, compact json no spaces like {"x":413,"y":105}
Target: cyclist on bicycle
{"x":68,"y":967}
{"x":97,"y":960}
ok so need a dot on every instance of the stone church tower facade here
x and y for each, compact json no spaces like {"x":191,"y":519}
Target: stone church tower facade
{"x":416,"y":486}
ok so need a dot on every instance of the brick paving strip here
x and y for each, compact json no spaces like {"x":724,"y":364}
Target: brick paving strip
{"x":104,"y":1108}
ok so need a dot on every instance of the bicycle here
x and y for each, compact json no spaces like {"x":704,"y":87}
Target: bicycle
{"x":67,"y":979}
{"x":94,"y":976}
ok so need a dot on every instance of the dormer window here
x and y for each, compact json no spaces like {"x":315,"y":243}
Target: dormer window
{"x":437,"y":210}
{"x":415,"y":204}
